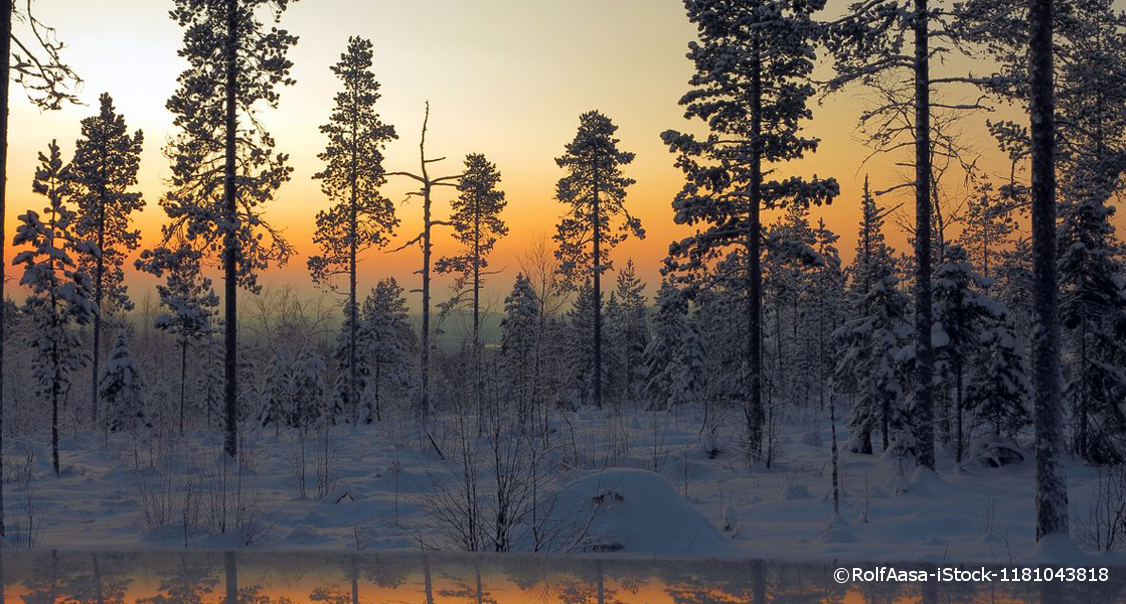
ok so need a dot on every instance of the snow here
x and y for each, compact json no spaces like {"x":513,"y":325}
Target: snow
{"x":657,"y":494}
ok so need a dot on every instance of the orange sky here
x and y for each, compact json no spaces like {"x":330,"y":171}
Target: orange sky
{"x":508,"y":78}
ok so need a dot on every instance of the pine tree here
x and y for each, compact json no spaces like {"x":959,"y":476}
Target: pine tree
{"x":388,"y":344}
{"x":519,"y":330}
{"x":37,"y":66}
{"x":890,"y":45}
{"x":674,"y":358}
{"x":104,"y":169}
{"x":753,"y":63}
{"x":477,"y":226}
{"x":59,"y":293}
{"x":121,"y":386}
{"x":189,"y":300}
{"x":595,"y":191}
{"x":223,"y":162}
{"x":362,"y":217}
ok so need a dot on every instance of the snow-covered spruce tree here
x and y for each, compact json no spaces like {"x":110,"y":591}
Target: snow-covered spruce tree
{"x":362,"y":218}
{"x":121,"y":386}
{"x":104,"y":169}
{"x":477,"y":226}
{"x":188,"y":300}
{"x":388,"y":345}
{"x":209,"y":390}
{"x":753,"y":62}
{"x":594,"y":190}
{"x":961,"y":312}
{"x":59,"y":292}
{"x":1092,"y":302}
{"x":628,"y":334}
{"x":33,"y":60}
{"x":998,"y":390}
{"x":308,"y":390}
{"x":870,"y":346}
{"x":1092,"y":175}
{"x":788,"y":266}
{"x":579,"y":367}
{"x":519,"y":330}
{"x":223,"y":163}
{"x":277,"y":395}
{"x":674,"y":359}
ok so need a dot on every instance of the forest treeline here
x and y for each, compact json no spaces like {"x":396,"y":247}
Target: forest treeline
{"x":956,"y":345}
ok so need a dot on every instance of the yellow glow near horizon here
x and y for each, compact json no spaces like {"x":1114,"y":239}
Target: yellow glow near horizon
{"x":508,"y":78}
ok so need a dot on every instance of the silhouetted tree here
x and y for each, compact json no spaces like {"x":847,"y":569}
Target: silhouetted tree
{"x":753,"y":62}
{"x":362,"y":217}
{"x":595,"y":190}
{"x":477,"y":226}
{"x":36,"y":62}
{"x":59,"y":291}
{"x":223,"y":165}
{"x":104,"y":169}
{"x":427,"y":184}
{"x":188,"y":298}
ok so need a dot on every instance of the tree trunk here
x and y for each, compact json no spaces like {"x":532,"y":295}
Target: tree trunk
{"x":55,"y":420}
{"x":230,"y":245}
{"x":478,"y":385}
{"x":754,"y":411}
{"x":1051,"y":479}
{"x":5,"y":59}
{"x":99,"y":280}
{"x":924,"y":357}
{"x":230,"y":564}
{"x":427,"y":582}
{"x":959,"y":446}
{"x":597,"y":293}
{"x":353,"y":314}
{"x":183,"y":380}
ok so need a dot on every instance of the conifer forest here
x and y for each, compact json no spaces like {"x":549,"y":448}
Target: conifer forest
{"x":801,"y":279}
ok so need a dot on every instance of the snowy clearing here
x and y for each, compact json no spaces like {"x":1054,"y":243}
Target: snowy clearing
{"x":384,"y":488}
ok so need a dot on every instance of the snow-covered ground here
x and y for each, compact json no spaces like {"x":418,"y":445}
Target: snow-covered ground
{"x":596,"y":491}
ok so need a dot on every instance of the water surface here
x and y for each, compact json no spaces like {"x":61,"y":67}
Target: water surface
{"x":253,"y":577}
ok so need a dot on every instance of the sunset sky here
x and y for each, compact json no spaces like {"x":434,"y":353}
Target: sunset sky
{"x":508,"y":78}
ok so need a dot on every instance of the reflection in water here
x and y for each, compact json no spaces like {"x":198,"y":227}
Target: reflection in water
{"x":322,"y":578}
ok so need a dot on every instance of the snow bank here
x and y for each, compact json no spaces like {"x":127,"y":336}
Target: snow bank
{"x":637,"y":511}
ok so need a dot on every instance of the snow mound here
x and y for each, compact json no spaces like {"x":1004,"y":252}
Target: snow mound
{"x":992,"y":452}
{"x":637,"y":511}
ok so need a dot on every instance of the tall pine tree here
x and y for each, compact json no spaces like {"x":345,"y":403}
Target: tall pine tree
{"x":104,"y":169}
{"x":223,"y":162}
{"x":753,"y":62}
{"x":595,"y":191}
{"x":362,"y":218}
